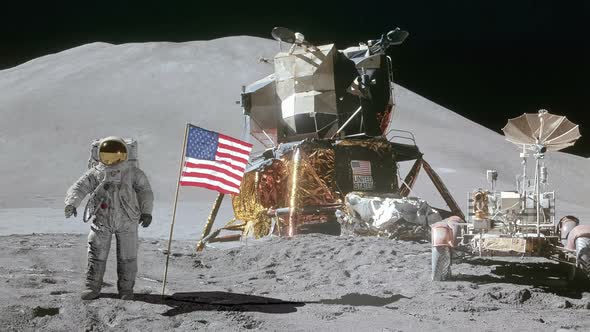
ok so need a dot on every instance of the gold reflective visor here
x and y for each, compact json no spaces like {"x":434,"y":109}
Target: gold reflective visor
{"x":112,"y":152}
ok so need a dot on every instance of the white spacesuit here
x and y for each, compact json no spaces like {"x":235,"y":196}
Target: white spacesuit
{"x":120,"y":199}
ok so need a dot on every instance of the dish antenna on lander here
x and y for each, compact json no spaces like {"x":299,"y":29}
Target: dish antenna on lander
{"x":539,"y":133}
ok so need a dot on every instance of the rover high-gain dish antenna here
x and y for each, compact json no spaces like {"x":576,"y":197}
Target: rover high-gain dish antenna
{"x":540,"y":133}
{"x":553,"y":132}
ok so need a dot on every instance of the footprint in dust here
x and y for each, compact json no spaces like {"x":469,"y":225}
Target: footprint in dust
{"x":331,"y":315}
{"x":42,"y":312}
{"x":23,"y":251}
{"x":59,"y":292}
{"x":31,"y":282}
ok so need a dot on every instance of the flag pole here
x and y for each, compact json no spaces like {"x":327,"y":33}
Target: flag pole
{"x":174,"y":211}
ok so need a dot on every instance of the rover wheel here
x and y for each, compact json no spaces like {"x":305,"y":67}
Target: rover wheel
{"x":583,"y":257}
{"x":568,"y":270}
{"x":584,"y":262}
{"x":441,"y":263}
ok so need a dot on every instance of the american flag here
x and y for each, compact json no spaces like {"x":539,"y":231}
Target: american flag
{"x":361,"y":167}
{"x":214,"y":161}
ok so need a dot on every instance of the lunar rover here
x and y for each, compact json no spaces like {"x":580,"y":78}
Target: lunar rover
{"x":520,"y":222}
{"x":330,"y":158}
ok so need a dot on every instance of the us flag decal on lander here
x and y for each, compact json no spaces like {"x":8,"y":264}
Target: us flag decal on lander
{"x":361,"y":175}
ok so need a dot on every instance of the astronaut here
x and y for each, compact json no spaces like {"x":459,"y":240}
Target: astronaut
{"x":120,"y":199}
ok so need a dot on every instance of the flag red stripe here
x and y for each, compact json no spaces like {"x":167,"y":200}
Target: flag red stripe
{"x":232,"y":156}
{"x":227,"y":155}
{"x":232,"y":148}
{"x":249,"y":145}
{"x":198,"y":174}
{"x":212,"y":168}
{"x":209,"y":177}
{"x":233,"y":188}
{"x":219,"y":164}
{"x":206,"y":186}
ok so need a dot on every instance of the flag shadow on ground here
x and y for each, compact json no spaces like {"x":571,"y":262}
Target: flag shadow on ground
{"x":182,"y":303}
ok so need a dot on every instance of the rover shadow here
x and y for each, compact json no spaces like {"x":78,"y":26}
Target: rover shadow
{"x":181,"y":303}
{"x":547,"y":276}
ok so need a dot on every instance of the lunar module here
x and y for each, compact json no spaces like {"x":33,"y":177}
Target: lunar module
{"x":330,"y":158}
{"x":520,"y":222}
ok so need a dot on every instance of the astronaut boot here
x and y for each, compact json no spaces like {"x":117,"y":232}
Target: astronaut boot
{"x":89,"y":294}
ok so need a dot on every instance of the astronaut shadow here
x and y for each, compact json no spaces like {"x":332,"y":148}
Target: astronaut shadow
{"x":546,"y":276}
{"x":186,"y":302}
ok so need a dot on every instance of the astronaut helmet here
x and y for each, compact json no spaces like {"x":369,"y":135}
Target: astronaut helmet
{"x":112,"y":151}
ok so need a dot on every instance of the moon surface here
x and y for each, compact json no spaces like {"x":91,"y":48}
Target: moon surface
{"x":53,"y":107}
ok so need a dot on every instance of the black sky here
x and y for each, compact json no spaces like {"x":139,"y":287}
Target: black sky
{"x":486,"y":60}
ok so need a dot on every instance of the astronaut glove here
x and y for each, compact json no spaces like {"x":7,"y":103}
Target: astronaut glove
{"x":69,"y":210}
{"x":145,"y":220}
